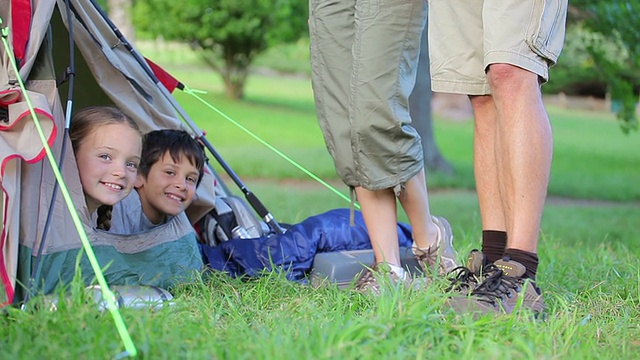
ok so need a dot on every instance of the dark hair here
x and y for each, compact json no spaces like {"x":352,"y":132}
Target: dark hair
{"x":177,"y":143}
{"x":83,"y":124}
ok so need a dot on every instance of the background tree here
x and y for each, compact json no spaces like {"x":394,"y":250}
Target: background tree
{"x":615,"y":52}
{"x":227,"y":34}
{"x":120,"y":14}
{"x":422,"y":115}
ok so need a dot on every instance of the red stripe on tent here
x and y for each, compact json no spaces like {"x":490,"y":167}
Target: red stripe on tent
{"x":6,"y":282}
{"x":8,"y":286}
{"x":39,"y":156}
{"x":21,"y":27}
{"x":165,"y":78}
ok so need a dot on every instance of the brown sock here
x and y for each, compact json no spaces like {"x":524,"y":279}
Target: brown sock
{"x":528,"y":259}
{"x":493,"y":244}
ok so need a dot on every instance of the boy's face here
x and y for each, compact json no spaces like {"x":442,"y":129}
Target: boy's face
{"x":168,"y":189}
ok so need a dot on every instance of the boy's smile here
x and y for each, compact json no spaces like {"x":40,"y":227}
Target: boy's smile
{"x":168,"y":189}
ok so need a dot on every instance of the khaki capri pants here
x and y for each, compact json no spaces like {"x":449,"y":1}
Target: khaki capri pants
{"x":364,"y":56}
{"x":466,"y":36}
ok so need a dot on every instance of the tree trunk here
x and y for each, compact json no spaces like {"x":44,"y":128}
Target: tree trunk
{"x":234,"y":79}
{"x":420,"y":109}
{"x":120,"y":14}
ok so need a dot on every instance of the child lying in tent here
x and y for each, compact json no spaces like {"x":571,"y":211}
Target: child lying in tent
{"x":169,"y":172}
{"x":171,"y":168}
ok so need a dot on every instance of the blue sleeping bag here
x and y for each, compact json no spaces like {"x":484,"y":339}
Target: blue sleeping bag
{"x":294,"y":250}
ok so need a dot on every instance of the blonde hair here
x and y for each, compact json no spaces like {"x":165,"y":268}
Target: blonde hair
{"x":84,"y":123}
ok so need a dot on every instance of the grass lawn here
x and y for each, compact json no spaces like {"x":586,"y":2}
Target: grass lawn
{"x":589,"y":257}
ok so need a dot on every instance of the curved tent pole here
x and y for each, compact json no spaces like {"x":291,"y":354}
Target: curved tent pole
{"x":257,"y":205}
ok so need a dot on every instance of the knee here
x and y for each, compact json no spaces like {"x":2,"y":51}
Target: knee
{"x":479,"y":102}
{"x":508,"y":78}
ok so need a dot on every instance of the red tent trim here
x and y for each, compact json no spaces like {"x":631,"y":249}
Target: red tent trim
{"x":165,"y":78}
{"x":6,"y":282}
{"x":21,"y":27}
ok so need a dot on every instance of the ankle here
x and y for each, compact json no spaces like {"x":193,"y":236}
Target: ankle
{"x":528,"y":259}
{"x":494,"y":243}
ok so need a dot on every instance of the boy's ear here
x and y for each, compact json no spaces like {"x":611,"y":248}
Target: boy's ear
{"x":139,"y":181}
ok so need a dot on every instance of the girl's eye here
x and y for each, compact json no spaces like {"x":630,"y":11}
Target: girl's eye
{"x":104,"y":157}
{"x":132,"y":165}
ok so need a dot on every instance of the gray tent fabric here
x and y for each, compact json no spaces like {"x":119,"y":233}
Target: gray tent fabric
{"x":19,"y":143}
{"x":28,"y":180}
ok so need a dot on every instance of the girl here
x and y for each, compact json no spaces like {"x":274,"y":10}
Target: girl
{"x":107,"y":146}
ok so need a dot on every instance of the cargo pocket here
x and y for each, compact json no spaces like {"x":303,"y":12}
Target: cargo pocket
{"x":367,"y":9}
{"x":547,"y":28}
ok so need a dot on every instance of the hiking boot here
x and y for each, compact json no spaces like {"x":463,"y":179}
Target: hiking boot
{"x":464,"y":279}
{"x":379,"y":275}
{"x":502,"y":288}
{"x":441,"y":255}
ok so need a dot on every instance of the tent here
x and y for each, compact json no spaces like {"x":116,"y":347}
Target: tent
{"x":38,"y":35}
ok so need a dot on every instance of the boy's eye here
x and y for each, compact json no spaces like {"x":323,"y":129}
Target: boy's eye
{"x":169,"y":172}
{"x":104,"y":157}
{"x":192,"y":179}
{"x":132,"y":165}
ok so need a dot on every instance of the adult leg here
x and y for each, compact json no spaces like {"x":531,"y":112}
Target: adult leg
{"x":518,"y":53}
{"x":524,"y":151}
{"x":487,"y":166}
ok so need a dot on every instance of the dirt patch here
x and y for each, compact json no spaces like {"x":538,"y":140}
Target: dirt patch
{"x":312,"y":185}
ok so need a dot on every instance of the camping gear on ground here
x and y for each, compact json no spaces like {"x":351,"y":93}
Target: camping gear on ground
{"x":293,"y":252}
{"x":341,"y":268}
{"x":230,"y":218}
{"x":127,"y":296}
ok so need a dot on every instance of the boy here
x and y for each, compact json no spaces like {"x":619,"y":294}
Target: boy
{"x":169,"y":172}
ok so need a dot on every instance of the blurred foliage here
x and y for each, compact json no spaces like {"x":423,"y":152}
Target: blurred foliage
{"x":614,"y":50}
{"x":576,"y":73}
{"x":227,"y":34}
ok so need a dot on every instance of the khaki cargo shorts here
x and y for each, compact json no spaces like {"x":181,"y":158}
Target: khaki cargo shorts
{"x":466,"y":36}
{"x":364,"y":56}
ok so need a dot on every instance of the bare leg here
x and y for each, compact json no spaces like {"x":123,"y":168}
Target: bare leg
{"x":379,"y":213}
{"x":415,"y":202}
{"x":524,"y":152}
{"x":486,"y":164}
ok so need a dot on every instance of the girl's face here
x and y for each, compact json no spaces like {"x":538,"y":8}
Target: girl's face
{"x":108,"y":164}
